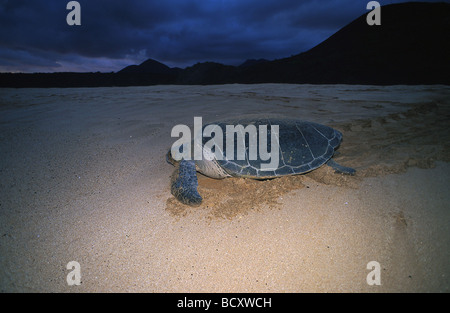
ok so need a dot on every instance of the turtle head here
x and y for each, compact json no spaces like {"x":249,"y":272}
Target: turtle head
{"x":179,"y":152}
{"x":170,"y":159}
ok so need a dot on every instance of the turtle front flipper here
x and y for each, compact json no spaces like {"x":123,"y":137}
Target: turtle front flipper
{"x":341,"y":169}
{"x":185,"y":183}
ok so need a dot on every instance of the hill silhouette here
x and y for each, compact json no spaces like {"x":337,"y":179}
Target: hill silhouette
{"x":148,"y":67}
{"x":411,"y":46}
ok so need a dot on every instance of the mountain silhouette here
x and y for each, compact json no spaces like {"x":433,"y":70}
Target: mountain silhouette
{"x":149,"y":67}
{"x":150,"y":72}
{"x":251,"y":62}
{"x":411,"y":46}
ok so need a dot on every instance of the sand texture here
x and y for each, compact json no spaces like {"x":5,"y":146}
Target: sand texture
{"x":83,"y":177}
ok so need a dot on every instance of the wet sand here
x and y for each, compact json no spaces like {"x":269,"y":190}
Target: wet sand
{"x":84,"y":178}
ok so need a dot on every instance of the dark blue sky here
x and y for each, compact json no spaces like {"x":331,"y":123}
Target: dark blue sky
{"x":34,"y":35}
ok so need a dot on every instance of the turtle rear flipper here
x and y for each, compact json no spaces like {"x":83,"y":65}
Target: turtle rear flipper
{"x":185,"y":183}
{"x":341,"y":169}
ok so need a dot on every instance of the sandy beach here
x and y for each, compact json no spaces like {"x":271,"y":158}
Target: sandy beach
{"x":83,"y":177}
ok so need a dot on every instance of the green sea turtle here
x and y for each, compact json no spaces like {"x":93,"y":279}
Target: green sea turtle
{"x":301,"y":147}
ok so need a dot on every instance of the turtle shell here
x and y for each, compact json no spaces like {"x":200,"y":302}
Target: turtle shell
{"x":302,"y":146}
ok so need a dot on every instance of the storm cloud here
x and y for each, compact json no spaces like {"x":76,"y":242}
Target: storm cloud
{"x":34,"y":35}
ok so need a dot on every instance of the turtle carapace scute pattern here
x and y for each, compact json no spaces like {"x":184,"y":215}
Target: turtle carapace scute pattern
{"x":302,"y":147}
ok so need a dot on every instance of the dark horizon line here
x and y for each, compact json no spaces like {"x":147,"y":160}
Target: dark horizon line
{"x":115,"y":72}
